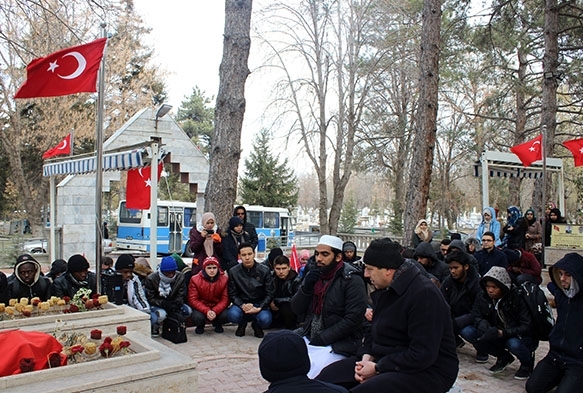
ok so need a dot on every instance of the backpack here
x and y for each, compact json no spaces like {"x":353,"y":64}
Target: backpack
{"x":543,"y":320}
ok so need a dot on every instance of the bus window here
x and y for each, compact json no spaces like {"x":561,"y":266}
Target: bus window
{"x":255,"y":218}
{"x":189,"y":217}
{"x":162,"y":216}
{"x":271,"y":220}
{"x":129,"y":216}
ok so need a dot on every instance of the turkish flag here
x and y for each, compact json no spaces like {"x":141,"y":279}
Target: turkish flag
{"x":294,"y":259}
{"x":139,"y":186}
{"x":529,"y":152}
{"x":68,"y":71}
{"x":575,"y":146}
{"x":61,"y":149}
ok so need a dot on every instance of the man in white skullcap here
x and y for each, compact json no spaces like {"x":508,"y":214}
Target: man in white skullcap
{"x":331,"y":300}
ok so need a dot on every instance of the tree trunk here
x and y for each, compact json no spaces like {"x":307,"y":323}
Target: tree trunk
{"x":225,"y":152}
{"x":520,"y":126}
{"x":424,"y":142}
{"x":549,"y":96}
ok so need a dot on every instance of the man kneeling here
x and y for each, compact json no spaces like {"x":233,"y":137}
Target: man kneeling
{"x":400,"y":352}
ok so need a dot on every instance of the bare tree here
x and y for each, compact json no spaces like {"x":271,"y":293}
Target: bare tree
{"x":225,"y":151}
{"x":424,"y":142}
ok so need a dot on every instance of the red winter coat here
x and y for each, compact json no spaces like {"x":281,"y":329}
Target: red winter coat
{"x":205,"y":295}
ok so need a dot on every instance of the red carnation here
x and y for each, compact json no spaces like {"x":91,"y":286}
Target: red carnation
{"x":35,"y":302}
{"x":57,"y":359}
{"x":77,"y":349}
{"x":26,"y":313}
{"x":89,"y":304}
{"x":124,"y":344}
{"x":96,"y":334}
{"x":26,"y":365}
{"x":105,"y":349}
{"x":107,"y":340}
{"x":73,"y":308}
{"x":67,"y":299}
{"x":95,"y":296}
{"x":122,"y":330}
{"x":96,"y":303}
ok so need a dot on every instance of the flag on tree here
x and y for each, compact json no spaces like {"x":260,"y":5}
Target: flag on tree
{"x":529,"y":152}
{"x":138,"y":187}
{"x":62,"y":149}
{"x":575,"y":146}
{"x":294,"y":259}
{"x":68,"y":71}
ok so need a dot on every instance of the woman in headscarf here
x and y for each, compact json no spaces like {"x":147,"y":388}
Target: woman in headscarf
{"x":555,"y":217}
{"x":422,"y":233}
{"x":205,"y":241}
{"x":489,"y":224}
{"x":515,"y":229}
{"x":534,"y":232}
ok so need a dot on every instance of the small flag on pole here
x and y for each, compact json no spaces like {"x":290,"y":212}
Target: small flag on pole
{"x":62,"y":149}
{"x":138,"y":187}
{"x":529,"y":152}
{"x":294,"y":259}
{"x":575,"y":146}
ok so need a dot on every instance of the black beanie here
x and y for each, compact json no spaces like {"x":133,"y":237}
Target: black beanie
{"x":383,"y":253}
{"x":125,"y":261}
{"x":283,"y":354}
{"x":274,"y":253}
{"x":77,"y":263}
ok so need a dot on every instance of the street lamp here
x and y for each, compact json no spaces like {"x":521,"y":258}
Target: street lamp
{"x":161,"y":112}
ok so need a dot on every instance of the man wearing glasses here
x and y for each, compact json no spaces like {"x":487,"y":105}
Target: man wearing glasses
{"x":489,"y":255}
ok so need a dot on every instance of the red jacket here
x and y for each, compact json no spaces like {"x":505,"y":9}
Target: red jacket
{"x":204,"y":295}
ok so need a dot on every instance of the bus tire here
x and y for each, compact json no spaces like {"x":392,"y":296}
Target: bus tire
{"x":187,"y":251}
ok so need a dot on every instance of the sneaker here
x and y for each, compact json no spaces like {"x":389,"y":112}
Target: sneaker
{"x":199,"y":330}
{"x":482,"y":357}
{"x":501,"y":364}
{"x":219,"y":329}
{"x":155,"y":333}
{"x":523,"y":373}
{"x":240,"y":330}
{"x":257,"y":331}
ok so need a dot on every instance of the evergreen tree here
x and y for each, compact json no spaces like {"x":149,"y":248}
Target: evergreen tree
{"x":268,"y":182}
{"x":348,"y":216}
{"x":196,"y":117}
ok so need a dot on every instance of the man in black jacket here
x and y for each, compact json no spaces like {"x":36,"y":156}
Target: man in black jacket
{"x":248,"y":227}
{"x":251,"y":290}
{"x":332,"y":298}
{"x":563,"y":365}
{"x":27,"y":280}
{"x":286,"y":285}
{"x":77,"y":276}
{"x":410,"y":347}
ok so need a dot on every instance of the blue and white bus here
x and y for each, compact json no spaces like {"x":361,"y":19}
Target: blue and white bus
{"x":174,"y":222}
{"x":272,"y":222}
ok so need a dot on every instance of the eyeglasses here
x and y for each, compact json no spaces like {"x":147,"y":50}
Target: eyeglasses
{"x":487,"y":240}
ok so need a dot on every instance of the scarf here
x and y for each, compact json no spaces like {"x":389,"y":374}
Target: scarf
{"x":322,"y":286}
{"x":208,"y":246}
{"x":165,"y":286}
{"x":423,"y":234}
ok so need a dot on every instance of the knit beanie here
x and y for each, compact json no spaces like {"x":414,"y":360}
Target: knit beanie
{"x":283,"y":354}
{"x":274,"y":253}
{"x":168,"y":264}
{"x":180,"y":265}
{"x":348,"y":246}
{"x":234,"y":221}
{"x":58,"y":266}
{"x":125,"y":261}
{"x":383,"y":253}
{"x":211,"y":261}
{"x":77,"y":263}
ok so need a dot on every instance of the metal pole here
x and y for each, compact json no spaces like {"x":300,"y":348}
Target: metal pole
{"x":544,"y":191}
{"x":53,"y":220}
{"x":99,"y":167}
{"x":155,"y":145}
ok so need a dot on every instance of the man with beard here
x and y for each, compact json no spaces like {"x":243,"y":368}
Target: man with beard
{"x":286,"y":285}
{"x":77,"y":276}
{"x":333,"y":299}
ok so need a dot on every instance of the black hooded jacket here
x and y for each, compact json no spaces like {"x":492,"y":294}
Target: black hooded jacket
{"x":40,"y":288}
{"x":248,"y":227}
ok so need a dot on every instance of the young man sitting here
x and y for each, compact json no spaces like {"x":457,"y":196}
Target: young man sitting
{"x":286,"y":285}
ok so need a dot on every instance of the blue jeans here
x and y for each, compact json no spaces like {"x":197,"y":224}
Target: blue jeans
{"x":521,"y":347}
{"x":551,"y":372}
{"x":158,"y":315}
{"x":236,"y":315}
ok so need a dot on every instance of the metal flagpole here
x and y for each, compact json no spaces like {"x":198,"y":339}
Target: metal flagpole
{"x":99,"y":166}
{"x":544,"y":192}
{"x":155,"y":145}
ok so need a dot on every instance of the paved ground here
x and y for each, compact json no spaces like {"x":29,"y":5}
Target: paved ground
{"x":227,"y":363}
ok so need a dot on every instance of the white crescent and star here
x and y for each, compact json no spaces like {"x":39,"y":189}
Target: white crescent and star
{"x":532,"y":147}
{"x":147,"y":181}
{"x":62,"y":145}
{"x":81,"y":65}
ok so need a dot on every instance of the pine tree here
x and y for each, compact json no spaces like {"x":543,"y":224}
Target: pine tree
{"x":348,"y":216}
{"x":268,"y":182}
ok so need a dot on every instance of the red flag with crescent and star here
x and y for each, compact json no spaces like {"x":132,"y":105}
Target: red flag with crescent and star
{"x":529,"y":152}
{"x":138,"y":187}
{"x":68,"y":71}
{"x":63,"y":148}
{"x":575,"y":146}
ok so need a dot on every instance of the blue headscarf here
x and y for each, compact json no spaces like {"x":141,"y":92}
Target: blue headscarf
{"x":513,"y":215}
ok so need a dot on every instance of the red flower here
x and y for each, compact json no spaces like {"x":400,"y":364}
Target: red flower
{"x":122,"y":330}
{"x":105,"y":349}
{"x":73,"y":308}
{"x":96,"y":303}
{"x":124,"y":344}
{"x":26,"y":313}
{"x":96,"y":334}
{"x":27,"y":365}
{"x":89,"y":304}
{"x":95,"y":296}
{"x":107,"y":340}
{"x":77,"y":349}
{"x":57,"y":359}
{"x":67,"y":299}
{"x":35,"y":302}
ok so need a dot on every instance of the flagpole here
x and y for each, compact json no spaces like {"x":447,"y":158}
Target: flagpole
{"x":99,"y":166}
{"x":544,"y":192}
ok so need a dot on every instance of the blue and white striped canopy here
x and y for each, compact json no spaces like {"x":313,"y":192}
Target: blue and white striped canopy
{"x":111,"y":161}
